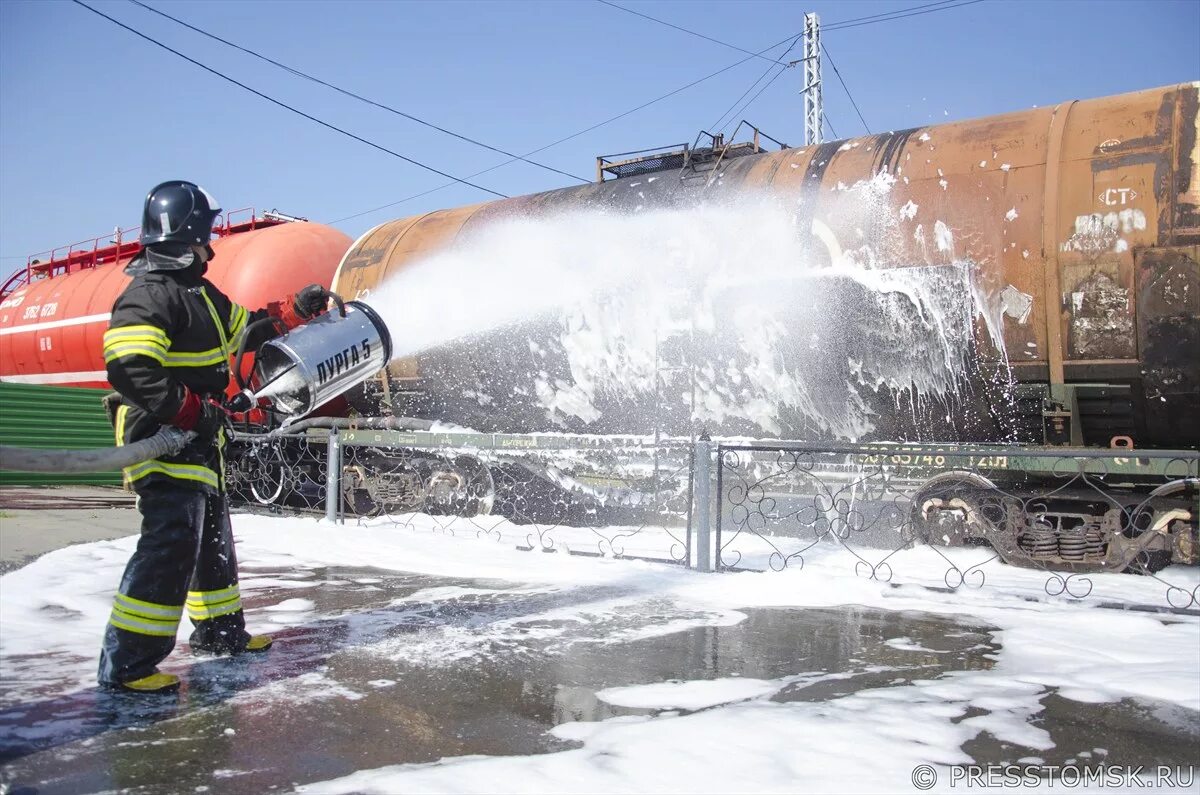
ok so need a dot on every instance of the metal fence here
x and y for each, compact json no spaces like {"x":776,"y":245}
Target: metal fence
{"x":943,"y":517}
{"x":603,"y":496}
{"x":1058,"y":516}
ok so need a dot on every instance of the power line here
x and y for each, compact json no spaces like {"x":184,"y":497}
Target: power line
{"x":660,"y":99}
{"x":717,"y":124}
{"x":829,"y":124}
{"x":912,"y":11}
{"x":845,"y":88}
{"x":348,"y":93}
{"x":886,"y":16}
{"x":746,"y":107}
{"x":361,"y":213}
{"x":720,"y":124}
{"x":900,"y":13}
{"x":571,"y":136}
{"x":689,"y":32}
{"x":945,"y":6}
{"x":889,"y":13}
{"x":284,"y":105}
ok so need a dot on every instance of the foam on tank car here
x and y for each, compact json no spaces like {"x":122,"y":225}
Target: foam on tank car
{"x":1082,"y":219}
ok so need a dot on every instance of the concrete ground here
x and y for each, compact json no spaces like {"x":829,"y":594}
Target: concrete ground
{"x":343,"y":691}
{"x":36,"y":520}
{"x":348,"y":687}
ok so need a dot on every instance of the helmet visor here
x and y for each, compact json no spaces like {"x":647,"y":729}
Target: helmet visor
{"x":213,"y":204}
{"x":214,"y":207}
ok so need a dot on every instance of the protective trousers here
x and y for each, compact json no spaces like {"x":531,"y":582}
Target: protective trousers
{"x":185,"y":557}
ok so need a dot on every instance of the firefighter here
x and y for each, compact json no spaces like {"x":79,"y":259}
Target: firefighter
{"x":167,"y":353}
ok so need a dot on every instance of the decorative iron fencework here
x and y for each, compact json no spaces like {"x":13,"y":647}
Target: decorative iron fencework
{"x":623,"y":497}
{"x":951,"y":517}
{"x":1064,"y":515}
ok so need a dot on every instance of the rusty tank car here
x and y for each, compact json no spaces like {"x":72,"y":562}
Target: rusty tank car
{"x":1079,"y":226}
{"x":1081,"y":221}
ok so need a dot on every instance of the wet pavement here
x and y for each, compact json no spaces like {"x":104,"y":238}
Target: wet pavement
{"x":370,"y":676}
{"x":35,"y":520}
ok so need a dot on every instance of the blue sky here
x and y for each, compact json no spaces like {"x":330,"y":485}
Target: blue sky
{"x":91,"y":116}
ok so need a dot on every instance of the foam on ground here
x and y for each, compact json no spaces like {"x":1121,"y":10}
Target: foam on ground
{"x":1080,"y":650}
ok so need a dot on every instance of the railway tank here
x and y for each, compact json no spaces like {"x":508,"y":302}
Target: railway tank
{"x":1078,"y":226}
{"x":52,"y":324}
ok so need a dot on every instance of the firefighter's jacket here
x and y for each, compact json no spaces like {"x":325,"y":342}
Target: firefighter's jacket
{"x":170,"y":330}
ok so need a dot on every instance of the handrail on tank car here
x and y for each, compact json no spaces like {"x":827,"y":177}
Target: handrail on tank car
{"x":223,"y":225}
{"x":18,"y":278}
{"x":607,"y":163}
{"x":123,"y":245}
{"x":757,"y":135}
{"x":719,"y":141}
{"x":83,"y":254}
{"x":720,"y":146}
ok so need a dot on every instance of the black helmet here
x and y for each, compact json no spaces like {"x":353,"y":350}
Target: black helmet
{"x":178,"y":212}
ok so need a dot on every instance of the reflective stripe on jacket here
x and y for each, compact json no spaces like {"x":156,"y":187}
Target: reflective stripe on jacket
{"x":170,"y":330}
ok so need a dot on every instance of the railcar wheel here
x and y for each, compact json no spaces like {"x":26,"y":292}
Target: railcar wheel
{"x":462,"y":487}
{"x":954,"y":509}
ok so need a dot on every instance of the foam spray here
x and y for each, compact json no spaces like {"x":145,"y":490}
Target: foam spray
{"x":735,"y":314}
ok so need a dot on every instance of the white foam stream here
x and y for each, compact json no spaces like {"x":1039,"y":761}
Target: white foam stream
{"x":784,"y":319}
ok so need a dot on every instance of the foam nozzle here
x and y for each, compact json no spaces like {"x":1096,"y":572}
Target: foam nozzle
{"x":317,"y":362}
{"x":241,"y":402}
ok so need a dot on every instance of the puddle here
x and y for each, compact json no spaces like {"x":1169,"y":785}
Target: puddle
{"x":1125,"y":733}
{"x":366,"y":676}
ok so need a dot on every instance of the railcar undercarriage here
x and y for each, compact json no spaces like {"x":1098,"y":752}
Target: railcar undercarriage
{"x":1084,"y":523}
{"x":1072,"y":529}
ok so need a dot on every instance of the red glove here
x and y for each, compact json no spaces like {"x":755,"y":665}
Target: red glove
{"x":285,"y":312}
{"x":189,"y":412}
{"x":202,"y":416}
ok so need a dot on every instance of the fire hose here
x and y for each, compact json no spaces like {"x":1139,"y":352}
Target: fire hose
{"x":168,"y":441}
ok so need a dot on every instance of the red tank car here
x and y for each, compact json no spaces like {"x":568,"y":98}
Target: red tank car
{"x":53,"y":312}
